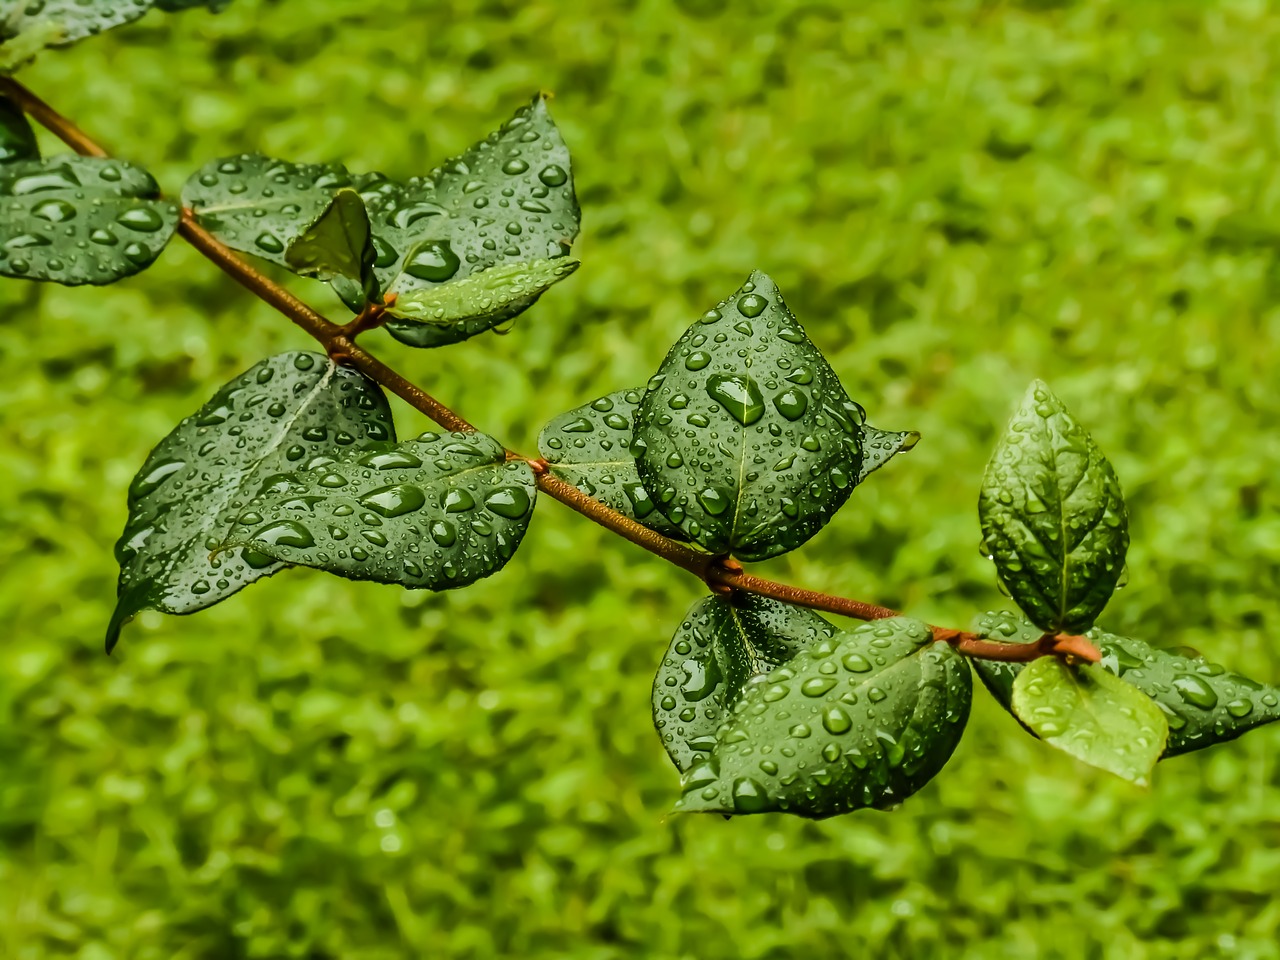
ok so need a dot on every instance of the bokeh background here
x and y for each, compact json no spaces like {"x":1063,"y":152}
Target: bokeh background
{"x":955,"y":197}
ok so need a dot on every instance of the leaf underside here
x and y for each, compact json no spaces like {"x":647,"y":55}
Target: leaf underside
{"x":745,"y":438}
{"x":722,"y":643}
{"x":77,"y":220}
{"x":434,"y":513}
{"x":291,"y":411}
{"x":863,"y":719}
{"x":1203,"y":702}
{"x":1053,"y":517}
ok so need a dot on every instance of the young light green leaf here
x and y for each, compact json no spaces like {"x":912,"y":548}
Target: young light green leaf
{"x":881,"y":446}
{"x":863,"y":719}
{"x":1092,"y":714}
{"x":507,"y":201}
{"x":437,"y":512}
{"x":1053,"y":517}
{"x":722,"y":644}
{"x":481,"y":300}
{"x":78,"y":220}
{"x":17,"y":139}
{"x":745,"y":438}
{"x":17,"y":51}
{"x":1203,"y":702}
{"x":590,"y":447}
{"x":337,"y":244}
{"x":295,"y":410}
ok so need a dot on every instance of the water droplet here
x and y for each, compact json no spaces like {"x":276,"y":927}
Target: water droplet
{"x":791,"y":403}
{"x":836,"y":720}
{"x":714,"y":501}
{"x":740,"y":396}
{"x":509,"y":502}
{"x":514,"y":166}
{"x":142,"y":219}
{"x":394,"y":500}
{"x":269,"y":243}
{"x":458,"y":501}
{"x":1196,"y":692}
{"x":444,"y":533}
{"x":285,"y":533}
{"x":154,"y":478}
{"x":752,"y":305}
{"x":749,"y":796}
{"x":55,"y":211}
{"x":697,"y":360}
{"x":553,"y":176}
{"x":433,"y":260}
{"x":1240,"y":708}
{"x":817,"y":686}
{"x":390,"y":460}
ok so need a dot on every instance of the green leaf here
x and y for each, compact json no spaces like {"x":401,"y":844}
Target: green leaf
{"x":507,"y":201}
{"x":437,"y":314}
{"x":881,"y":446}
{"x":745,"y":438}
{"x":17,"y":139}
{"x":864,"y":719}
{"x":1092,"y":714}
{"x":18,"y":51}
{"x":590,"y":447}
{"x":1203,"y":702}
{"x":295,"y":410}
{"x":437,"y":512}
{"x":78,"y":220}
{"x":337,"y":244}
{"x":1053,"y":517}
{"x":720,"y":646}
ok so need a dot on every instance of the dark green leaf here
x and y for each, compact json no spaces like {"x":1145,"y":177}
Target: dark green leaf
{"x":590,"y":447}
{"x":864,"y":719}
{"x":17,"y":139}
{"x":1053,"y":517}
{"x":1203,"y":702}
{"x":79,"y":220}
{"x":437,"y":512}
{"x":289,"y":411}
{"x":507,"y":201}
{"x":1092,"y":714}
{"x":337,"y":244}
{"x":881,"y":446}
{"x":722,"y":644}
{"x":477,"y":302}
{"x":745,"y":438}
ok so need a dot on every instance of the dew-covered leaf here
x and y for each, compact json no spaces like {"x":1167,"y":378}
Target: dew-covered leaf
{"x":337,"y":244}
{"x":881,"y":446}
{"x":862,"y":719}
{"x":745,"y":438}
{"x":437,"y":512}
{"x":1053,"y":517}
{"x":17,"y":139}
{"x":1203,"y":702}
{"x":291,"y":411}
{"x":56,"y":23}
{"x":432,"y":316}
{"x":590,"y":447}
{"x":720,"y":646}
{"x":78,"y":220}
{"x":1090,"y":713}
{"x":507,"y":201}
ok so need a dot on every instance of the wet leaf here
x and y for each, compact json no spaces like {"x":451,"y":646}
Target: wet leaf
{"x":1090,"y":713}
{"x":291,"y":411}
{"x":863,"y":719}
{"x":1053,"y":517}
{"x":881,"y":446}
{"x":436,"y":314}
{"x":1203,"y":702}
{"x":77,"y":220}
{"x":590,"y":447}
{"x":338,"y":244}
{"x":437,"y":512}
{"x":17,"y":139}
{"x":745,"y":438}
{"x":506,"y":201}
{"x":34,"y":24}
{"x":723,"y":644}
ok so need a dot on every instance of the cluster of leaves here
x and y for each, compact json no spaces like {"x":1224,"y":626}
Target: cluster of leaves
{"x":743,"y":443}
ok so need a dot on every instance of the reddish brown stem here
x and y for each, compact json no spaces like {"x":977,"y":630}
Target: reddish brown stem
{"x":721,"y":574}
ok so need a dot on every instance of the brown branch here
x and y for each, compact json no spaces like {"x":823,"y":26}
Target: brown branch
{"x":721,"y":574}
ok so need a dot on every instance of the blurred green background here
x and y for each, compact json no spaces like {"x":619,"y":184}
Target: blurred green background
{"x":955,"y":197}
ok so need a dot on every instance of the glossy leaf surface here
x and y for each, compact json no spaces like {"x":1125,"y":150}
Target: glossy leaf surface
{"x":338,"y":244}
{"x":863,"y":719}
{"x":1203,"y":702}
{"x":430,"y":316}
{"x":437,"y":512}
{"x":291,"y":411}
{"x":590,"y":447}
{"x":77,"y":220}
{"x":60,"y":22}
{"x":1090,"y":713}
{"x":1053,"y":517}
{"x":17,"y":139}
{"x":881,"y":446}
{"x":745,"y":438}
{"x":723,"y":644}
